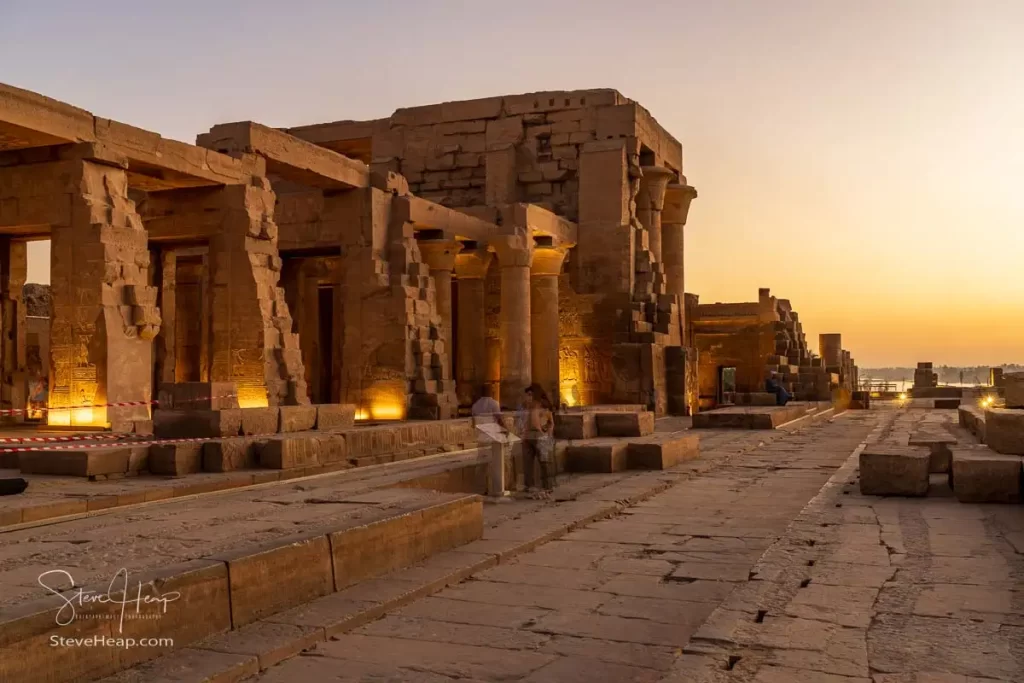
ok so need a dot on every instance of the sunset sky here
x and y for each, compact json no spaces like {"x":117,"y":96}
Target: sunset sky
{"x":863,"y":159}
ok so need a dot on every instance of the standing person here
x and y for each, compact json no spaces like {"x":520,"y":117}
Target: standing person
{"x":538,"y":441}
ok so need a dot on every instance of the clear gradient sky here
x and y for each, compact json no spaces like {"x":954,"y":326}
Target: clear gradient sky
{"x":863,"y":159}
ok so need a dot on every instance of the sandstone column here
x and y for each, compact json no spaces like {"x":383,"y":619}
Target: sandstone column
{"x":252,"y":340}
{"x":439,"y":255}
{"x":13,"y":270}
{"x":673,"y":222}
{"x":547,"y":265}
{"x":471,"y":364}
{"x":515,"y":255}
{"x":649,"y":203}
{"x":104,"y":314}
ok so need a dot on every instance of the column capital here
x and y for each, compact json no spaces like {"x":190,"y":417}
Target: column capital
{"x":440,"y":254}
{"x":652,"y":187}
{"x":513,"y":250}
{"x":548,"y":260}
{"x":472,"y":264}
{"x":677,"y":203}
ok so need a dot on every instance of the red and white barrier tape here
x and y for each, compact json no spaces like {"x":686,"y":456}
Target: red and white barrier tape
{"x":120,"y":404}
{"x":126,"y":443}
{"x":98,"y":436}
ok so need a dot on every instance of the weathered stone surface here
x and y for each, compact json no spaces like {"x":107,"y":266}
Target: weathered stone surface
{"x":939,"y":447}
{"x":598,"y":455}
{"x":176,"y":459}
{"x":1004,"y":430}
{"x":297,"y":418}
{"x":1013,"y":389}
{"x":660,"y":452}
{"x":625,"y":423}
{"x":196,"y":423}
{"x":335,"y":416}
{"x":894,"y":471}
{"x":303,"y":451}
{"x":198,"y":396}
{"x":231,"y":454}
{"x":259,"y":420}
{"x":980,"y":475}
{"x":280,"y":576}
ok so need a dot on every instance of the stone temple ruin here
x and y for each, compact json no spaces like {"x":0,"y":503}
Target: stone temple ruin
{"x":741,"y":344}
{"x":395,"y":265}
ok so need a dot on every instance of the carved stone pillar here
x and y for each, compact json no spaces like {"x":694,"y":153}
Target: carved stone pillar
{"x":673,"y":222}
{"x":515,"y":256}
{"x":13,"y":270}
{"x":104,"y":314}
{"x":649,"y":203}
{"x":439,"y":255}
{"x":471,"y":363}
{"x":547,"y":266}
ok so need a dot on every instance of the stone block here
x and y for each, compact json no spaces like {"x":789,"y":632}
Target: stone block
{"x":1004,"y":430}
{"x":980,"y":475}
{"x":600,"y":455}
{"x":397,"y":541}
{"x":230,"y":455}
{"x":947,"y":403}
{"x":660,"y":452}
{"x":277,"y":576}
{"x":296,"y":418}
{"x":894,"y":471}
{"x":575,"y":426}
{"x":1013,"y":389}
{"x":259,"y":420}
{"x":79,"y":463}
{"x":938,"y":446}
{"x":185,"y":424}
{"x":306,"y":450}
{"x":198,"y":396}
{"x":176,"y":459}
{"x":335,"y":416}
{"x":625,"y":424}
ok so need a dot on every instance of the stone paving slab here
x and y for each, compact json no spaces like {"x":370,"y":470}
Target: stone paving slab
{"x":596,"y":610}
{"x":879,"y":590}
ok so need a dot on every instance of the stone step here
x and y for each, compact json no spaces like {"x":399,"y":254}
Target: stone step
{"x":653,"y":452}
{"x":894,"y":471}
{"x":979,"y":474}
{"x":625,"y":424}
{"x":222,"y":594}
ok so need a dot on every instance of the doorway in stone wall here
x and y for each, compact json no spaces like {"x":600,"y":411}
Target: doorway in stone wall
{"x":325,"y":310}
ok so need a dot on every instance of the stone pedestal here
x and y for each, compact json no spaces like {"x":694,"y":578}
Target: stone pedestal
{"x":515,"y":256}
{"x":650,"y":202}
{"x":471,"y":361}
{"x":547,"y":265}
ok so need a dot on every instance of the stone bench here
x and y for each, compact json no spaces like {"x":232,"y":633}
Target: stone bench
{"x":654,"y":452}
{"x":1004,"y":430}
{"x":625,"y":424}
{"x":581,"y":422}
{"x":894,"y":471}
{"x":972,"y":418}
{"x":938,"y":445}
{"x":980,"y":475}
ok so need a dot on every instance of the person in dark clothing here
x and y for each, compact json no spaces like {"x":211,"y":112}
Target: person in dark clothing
{"x":772,"y":386}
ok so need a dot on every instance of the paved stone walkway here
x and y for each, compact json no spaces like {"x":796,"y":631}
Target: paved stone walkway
{"x":876,"y":590}
{"x":615,"y":601}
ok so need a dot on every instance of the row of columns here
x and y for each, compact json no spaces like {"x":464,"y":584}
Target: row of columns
{"x":528,"y":326}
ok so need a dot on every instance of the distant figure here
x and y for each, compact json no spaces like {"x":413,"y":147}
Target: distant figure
{"x":486,"y":405}
{"x":538,"y":442}
{"x":772,"y":386}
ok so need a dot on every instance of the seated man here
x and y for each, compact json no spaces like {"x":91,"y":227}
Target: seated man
{"x":772,"y":386}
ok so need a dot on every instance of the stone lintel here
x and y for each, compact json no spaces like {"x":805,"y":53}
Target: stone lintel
{"x":288,"y":156}
{"x":454,"y":224}
{"x":28,"y":119}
